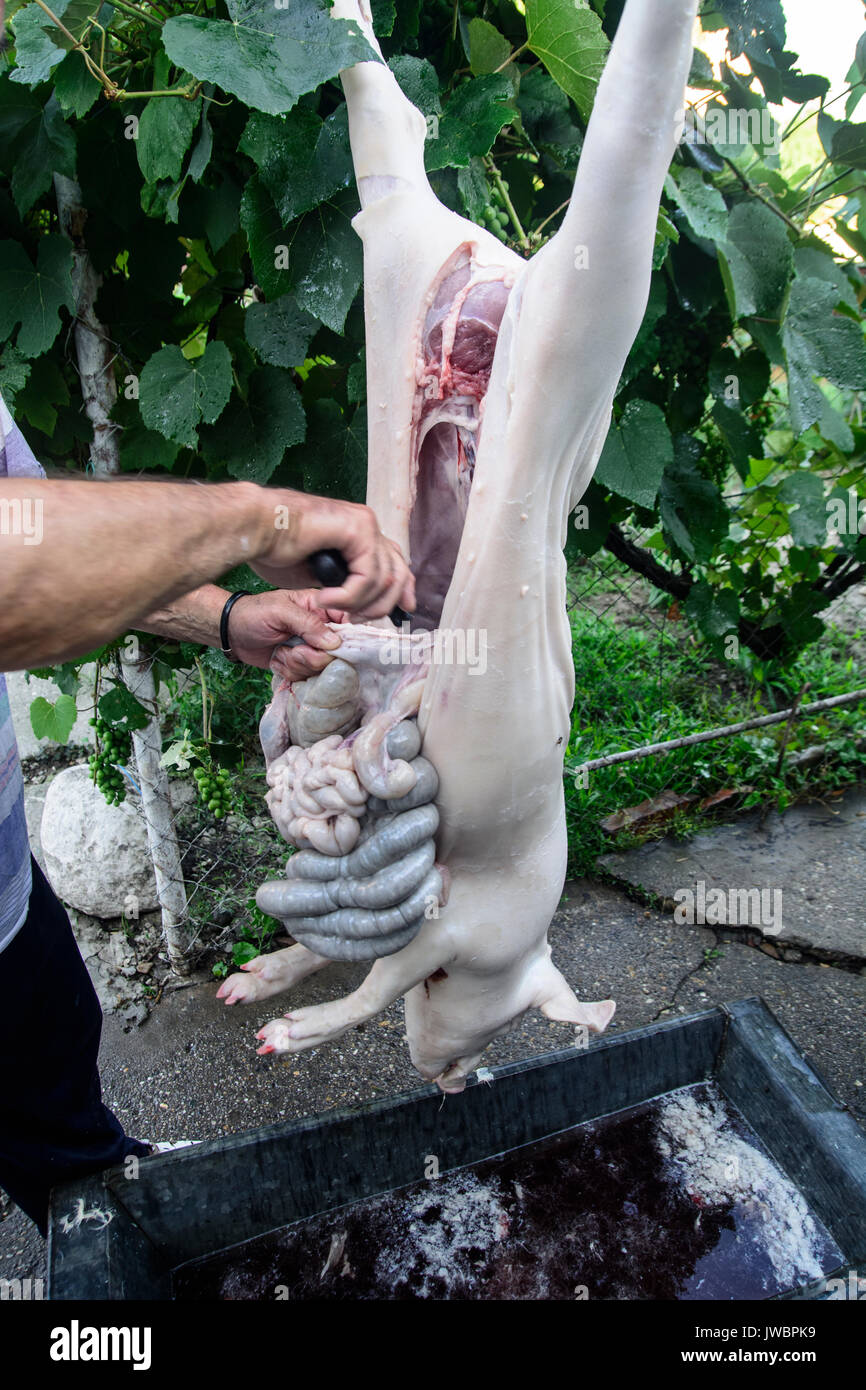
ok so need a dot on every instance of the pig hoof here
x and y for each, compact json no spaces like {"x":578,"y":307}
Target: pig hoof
{"x":259,"y":981}
{"x":274,"y":1037}
{"x":305,"y":1028}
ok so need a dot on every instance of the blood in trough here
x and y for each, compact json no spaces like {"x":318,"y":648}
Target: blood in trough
{"x":672,"y":1199}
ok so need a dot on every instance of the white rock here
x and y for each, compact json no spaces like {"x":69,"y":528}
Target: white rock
{"x":96,"y":855}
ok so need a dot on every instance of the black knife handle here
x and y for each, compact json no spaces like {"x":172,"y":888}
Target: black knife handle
{"x":331,"y":570}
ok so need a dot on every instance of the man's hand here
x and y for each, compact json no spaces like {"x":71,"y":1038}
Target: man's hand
{"x":378,"y":575}
{"x":260,"y":623}
{"x":161,"y":541}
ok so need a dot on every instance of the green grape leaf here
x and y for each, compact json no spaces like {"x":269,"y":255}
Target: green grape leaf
{"x":220,"y":209}
{"x":356,"y":380}
{"x":588,"y":524}
{"x":280,"y":332}
{"x":818,"y":342}
{"x":812,"y":261}
{"x":741,"y":439}
{"x":45,"y":390}
{"x":418,"y":81}
{"x":267,"y":238}
{"x":848,"y":144}
{"x":176,"y":394}
{"x":165,"y":130}
{"x":34,"y":295}
{"x":474,"y":189}
{"x":835,"y":428}
{"x":546,"y":115}
{"x":14,"y":371}
{"x":54,"y":721}
{"x":746,"y":19}
{"x":119,"y":707}
{"x":267,"y":57}
{"x":756,"y":260}
{"x":301,"y":159}
{"x":804,"y":494}
{"x":327,"y":264}
{"x":738,"y":381}
{"x":715,"y":611}
{"x":202,"y":151}
{"x":44,"y":147}
{"x":75,"y":86}
{"x":39,"y":44}
{"x":488,"y":49}
{"x":253,"y":434}
{"x":692,"y":509}
{"x":334,"y":458}
{"x":141,"y":449}
{"x":473,"y":118}
{"x":384,"y":16}
{"x":636,"y":453}
{"x":702,"y":204}
{"x":568,"y":38}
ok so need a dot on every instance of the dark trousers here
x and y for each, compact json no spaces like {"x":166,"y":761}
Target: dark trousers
{"x":53,"y":1124}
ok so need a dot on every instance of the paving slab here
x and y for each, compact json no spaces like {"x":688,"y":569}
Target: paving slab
{"x":810,"y":863}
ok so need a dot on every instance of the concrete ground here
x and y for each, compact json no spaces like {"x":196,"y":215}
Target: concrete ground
{"x":191,"y":1071}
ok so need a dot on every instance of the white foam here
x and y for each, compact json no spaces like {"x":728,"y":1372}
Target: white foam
{"x":716,"y":1166}
{"x":469,"y":1218}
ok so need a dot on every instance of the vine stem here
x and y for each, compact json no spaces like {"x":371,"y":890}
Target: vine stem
{"x":189,"y":92}
{"x":550,"y":216}
{"x":206,"y":703}
{"x":848,"y":90}
{"x":503,"y":193}
{"x":511,"y":57}
{"x":750,"y":188}
{"x":136,"y":12}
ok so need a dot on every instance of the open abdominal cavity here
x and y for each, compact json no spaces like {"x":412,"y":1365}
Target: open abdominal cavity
{"x":350,"y":790}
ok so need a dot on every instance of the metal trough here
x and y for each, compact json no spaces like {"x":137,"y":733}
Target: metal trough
{"x":192,"y":1202}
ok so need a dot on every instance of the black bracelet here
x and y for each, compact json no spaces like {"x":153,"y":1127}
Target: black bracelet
{"x":225,"y":644}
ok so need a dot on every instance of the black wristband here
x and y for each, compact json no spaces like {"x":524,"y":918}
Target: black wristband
{"x":225,"y":644}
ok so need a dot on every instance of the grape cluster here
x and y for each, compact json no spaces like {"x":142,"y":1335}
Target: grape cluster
{"x":112,"y":748}
{"x":495,"y":215}
{"x":761,"y":415}
{"x":213,"y":790}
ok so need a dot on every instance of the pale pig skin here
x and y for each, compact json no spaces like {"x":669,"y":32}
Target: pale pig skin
{"x":497,"y":740}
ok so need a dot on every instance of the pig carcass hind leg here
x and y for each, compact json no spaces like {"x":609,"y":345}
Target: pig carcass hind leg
{"x":390,"y":977}
{"x":272,"y":974}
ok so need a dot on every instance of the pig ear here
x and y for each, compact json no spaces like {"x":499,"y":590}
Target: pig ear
{"x":559,"y":1002}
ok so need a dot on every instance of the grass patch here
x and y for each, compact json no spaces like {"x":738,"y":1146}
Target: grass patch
{"x":635,"y":687}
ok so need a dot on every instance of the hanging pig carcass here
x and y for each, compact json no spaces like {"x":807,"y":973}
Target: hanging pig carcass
{"x":422,"y":778}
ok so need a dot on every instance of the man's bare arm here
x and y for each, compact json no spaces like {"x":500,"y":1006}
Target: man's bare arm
{"x":193,"y":617}
{"x":260,"y":625}
{"x":110,"y":551}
